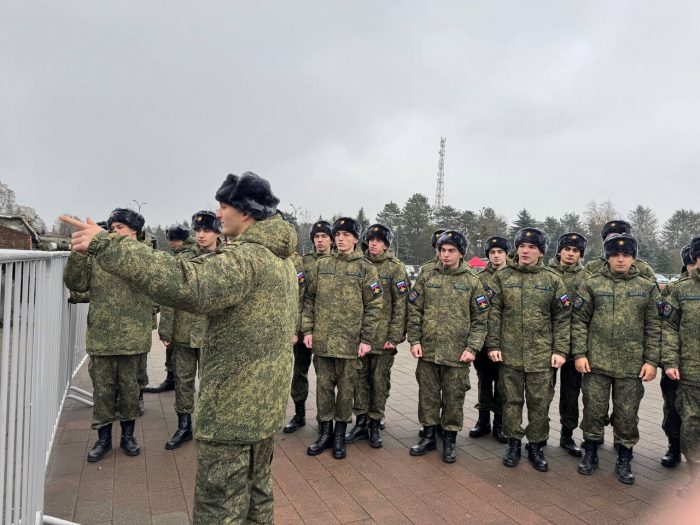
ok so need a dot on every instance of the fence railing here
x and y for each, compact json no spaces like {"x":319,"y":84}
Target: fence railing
{"x":42,"y":346}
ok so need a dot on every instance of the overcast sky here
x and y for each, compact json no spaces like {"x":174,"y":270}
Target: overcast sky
{"x":545,"y":105}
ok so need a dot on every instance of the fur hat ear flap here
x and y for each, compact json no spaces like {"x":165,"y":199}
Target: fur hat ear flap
{"x":249,"y":193}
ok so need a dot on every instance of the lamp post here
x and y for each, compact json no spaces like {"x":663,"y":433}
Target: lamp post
{"x":139,"y":204}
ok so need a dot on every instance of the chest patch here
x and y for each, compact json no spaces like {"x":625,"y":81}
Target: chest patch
{"x":565,"y":301}
{"x":376,"y":289}
{"x":579,"y":302}
{"x":482,"y":303}
{"x":301,"y":278}
{"x":413,"y":296}
{"x":401,"y":287}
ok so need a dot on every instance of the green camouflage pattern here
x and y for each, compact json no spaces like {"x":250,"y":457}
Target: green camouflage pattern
{"x":571,"y":276}
{"x":448,"y":313}
{"x":616,"y":323}
{"x":301,"y":281}
{"x":627,"y":394}
{"x":248,"y":290}
{"x":110,"y":374}
{"x":429,"y":265}
{"x":688,"y":405}
{"x":342,"y":305}
{"x":530,"y":317}
{"x":517,"y":387}
{"x":441,"y":387}
{"x":644,"y":269}
{"x":77,"y":297}
{"x":143,"y":371}
{"x":234,"y":483}
{"x":186,"y":361}
{"x":335,"y":374}
{"x":373,"y":384}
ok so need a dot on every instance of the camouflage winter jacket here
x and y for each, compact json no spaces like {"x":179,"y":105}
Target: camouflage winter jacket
{"x":301,"y":281}
{"x":395,"y":284}
{"x":429,"y":265}
{"x":530,"y":316}
{"x":342,"y":305}
{"x":616,"y":323}
{"x":596,"y":265}
{"x":681,"y":328}
{"x":447,"y":314}
{"x":167,"y":314}
{"x":248,"y":290}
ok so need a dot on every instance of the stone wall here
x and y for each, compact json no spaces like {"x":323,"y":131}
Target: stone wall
{"x":9,"y":206}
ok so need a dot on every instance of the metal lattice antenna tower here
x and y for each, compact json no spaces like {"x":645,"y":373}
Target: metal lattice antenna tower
{"x":440,"y":191}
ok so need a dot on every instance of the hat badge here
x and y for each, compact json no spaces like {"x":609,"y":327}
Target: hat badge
{"x":528,"y":234}
{"x":573,"y":237}
{"x":375,"y":229}
{"x":620,"y":242}
{"x":342,"y":222}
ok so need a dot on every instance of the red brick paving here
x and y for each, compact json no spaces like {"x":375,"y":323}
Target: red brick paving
{"x":371,"y":485}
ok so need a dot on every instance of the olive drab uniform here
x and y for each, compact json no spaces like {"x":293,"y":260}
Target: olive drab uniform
{"x":570,"y":388}
{"x":615,"y":325}
{"x":447,"y":314}
{"x":249,"y":293}
{"x":374,"y":376}
{"x":342,"y":307}
{"x":529,"y":321}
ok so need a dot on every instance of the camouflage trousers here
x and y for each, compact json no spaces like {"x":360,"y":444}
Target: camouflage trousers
{"x":169,"y":362}
{"x":672,"y":419}
{"x":627,"y":394}
{"x":441,"y":392}
{"x":300,"y":373}
{"x":110,"y":374}
{"x":143,"y":372}
{"x":518,"y":387}
{"x":373,"y":384}
{"x":569,"y":391}
{"x":234,"y":483}
{"x":487,"y":373}
{"x":335,"y":374}
{"x":185,"y":360}
{"x":688,"y":404}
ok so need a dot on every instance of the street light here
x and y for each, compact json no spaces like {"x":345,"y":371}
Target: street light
{"x":139,"y":204}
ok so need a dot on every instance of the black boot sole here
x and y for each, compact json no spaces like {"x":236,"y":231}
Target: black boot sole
{"x":177,"y":444}
{"x":577,"y":453}
{"x":585,"y":472}
{"x":449,"y":459}
{"x":625,"y":481}
{"x":670,"y":464}
{"x":511,"y":464}
{"x":98,"y":458}
{"x":316,"y":452}
{"x":480,"y":433}
{"x":131,"y":453}
{"x":339,"y":455}
{"x":539,"y":468}
{"x":422,"y":452}
{"x":290,"y":430}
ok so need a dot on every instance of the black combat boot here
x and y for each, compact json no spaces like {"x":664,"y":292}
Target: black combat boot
{"x":483,"y":425}
{"x":427,"y":442}
{"x":298,"y":419}
{"x":360,"y":430}
{"x":339,"y":436}
{"x":449,"y":451}
{"x":513,"y":453}
{"x":497,"y":431}
{"x":566,"y":441}
{"x":325,"y":439}
{"x":375,"y":439}
{"x":183,"y":432}
{"x":142,"y":407}
{"x":673,"y":455}
{"x":102,"y":445}
{"x":382,"y":423}
{"x":438,"y":431}
{"x":535,"y":455}
{"x":167,"y":385}
{"x":622,"y":465}
{"x":590,"y":459}
{"x":128,"y":443}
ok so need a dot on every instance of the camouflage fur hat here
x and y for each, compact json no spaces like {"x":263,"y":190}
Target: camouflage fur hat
{"x":435,"y":236}
{"x":573,"y":239}
{"x":695,"y":249}
{"x":127,"y":216}
{"x":177,"y":232}
{"x":620,"y":243}
{"x":381,"y":232}
{"x":685,"y":256}
{"x":454,"y":238}
{"x":206,"y":220}
{"x":496,"y":242}
{"x":346,"y":224}
{"x":249,"y":193}
{"x":321,"y":227}
{"x":616,"y":226}
{"x":532,"y":236}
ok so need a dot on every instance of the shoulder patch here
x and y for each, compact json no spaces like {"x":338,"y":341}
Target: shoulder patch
{"x":301,"y":278}
{"x":482,"y":303}
{"x":489,"y":292}
{"x":565,"y":301}
{"x":413,"y":296}
{"x":668,"y":312}
{"x":579,"y":302}
{"x":401,"y":287}
{"x":376,"y":289}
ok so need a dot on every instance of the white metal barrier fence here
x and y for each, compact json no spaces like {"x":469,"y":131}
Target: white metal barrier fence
{"x":42,"y":346}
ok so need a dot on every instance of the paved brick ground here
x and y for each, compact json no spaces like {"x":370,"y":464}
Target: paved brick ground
{"x":369,"y":486}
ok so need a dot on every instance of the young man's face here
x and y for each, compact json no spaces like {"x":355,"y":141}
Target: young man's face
{"x":175,"y":244}
{"x":528,"y":254}
{"x":620,"y":262}
{"x":377,"y":247}
{"x":449,"y":256}
{"x":233,"y":222}
{"x":497,"y":257}
{"x":123,"y":230}
{"x":345,"y":241}
{"x":569,"y":255}
{"x":206,"y":239}
{"x":322,"y":243}
{"x":690,"y":267}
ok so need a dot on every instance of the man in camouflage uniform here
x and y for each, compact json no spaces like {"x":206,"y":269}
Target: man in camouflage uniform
{"x":616,"y":340}
{"x":184,"y":331}
{"x":373,"y":380}
{"x":321,"y":237}
{"x":248,"y":291}
{"x":179,"y":241}
{"x":496,"y":250}
{"x":118,"y":337}
{"x":435,"y":261}
{"x":609,"y":228}
{"x":681,"y":360}
{"x":342,"y":307}
{"x":447,"y":320}
{"x":571,"y":248}
{"x":529,"y":335}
